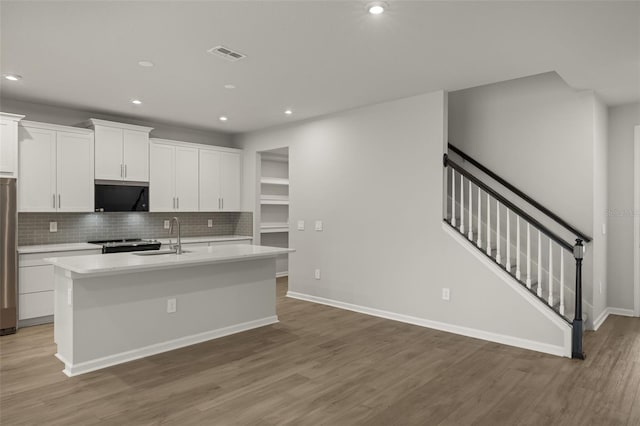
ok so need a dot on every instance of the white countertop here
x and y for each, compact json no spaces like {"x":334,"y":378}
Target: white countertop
{"x":48,"y":248}
{"x":119,"y":263}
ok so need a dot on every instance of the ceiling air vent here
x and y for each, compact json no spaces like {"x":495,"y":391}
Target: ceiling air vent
{"x":226,"y":53}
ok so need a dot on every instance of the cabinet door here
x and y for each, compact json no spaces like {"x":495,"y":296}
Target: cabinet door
{"x":8,"y":148}
{"x":75,"y":172}
{"x":136,"y":156}
{"x":161,"y":178}
{"x":37,"y":170}
{"x":230,"y":181}
{"x":109,"y":163}
{"x":210,"y":200}
{"x":186,"y":179}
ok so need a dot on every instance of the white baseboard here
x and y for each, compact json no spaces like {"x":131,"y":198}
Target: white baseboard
{"x":612,"y":311}
{"x":601,"y":319}
{"x":436,"y":325}
{"x":97,"y":364}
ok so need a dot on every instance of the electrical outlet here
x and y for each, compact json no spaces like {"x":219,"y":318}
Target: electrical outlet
{"x":53,"y":226}
{"x":318,"y":225}
{"x":604,"y":229}
{"x":317,"y":274}
{"x":301,"y":225}
{"x":69,"y":296}
{"x":166,"y":224}
{"x":446,"y":294}
{"x":600,"y":286}
{"x":210,"y":223}
{"x":171,"y":306}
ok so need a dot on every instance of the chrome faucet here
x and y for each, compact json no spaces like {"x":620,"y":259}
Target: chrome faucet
{"x":178,"y":246}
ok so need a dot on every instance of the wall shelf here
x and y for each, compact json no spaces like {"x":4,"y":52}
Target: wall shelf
{"x":269,"y":228}
{"x":274,"y":181}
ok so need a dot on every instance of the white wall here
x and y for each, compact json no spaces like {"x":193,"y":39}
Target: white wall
{"x":541,"y":136}
{"x":622,"y":120}
{"x":600,"y":208}
{"x":72,"y":117}
{"x":374,"y":177}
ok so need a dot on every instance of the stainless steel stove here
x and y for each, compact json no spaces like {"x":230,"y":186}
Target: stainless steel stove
{"x":126,"y":245}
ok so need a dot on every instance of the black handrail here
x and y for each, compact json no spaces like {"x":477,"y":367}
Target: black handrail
{"x":520,"y":194}
{"x":566,"y":245}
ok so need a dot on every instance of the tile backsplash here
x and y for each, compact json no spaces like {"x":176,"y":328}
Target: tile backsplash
{"x":33,"y":228}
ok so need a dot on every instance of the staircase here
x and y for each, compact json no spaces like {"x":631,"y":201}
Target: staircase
{"x":547,"y":265}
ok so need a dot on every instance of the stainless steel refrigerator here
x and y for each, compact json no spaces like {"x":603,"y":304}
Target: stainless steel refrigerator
{"x":8,"y":257}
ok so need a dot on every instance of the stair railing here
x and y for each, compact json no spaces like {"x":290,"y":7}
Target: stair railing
{"x":459,"y":180}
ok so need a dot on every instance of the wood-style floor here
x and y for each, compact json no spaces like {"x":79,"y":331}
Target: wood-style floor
{"x":325,"y":366}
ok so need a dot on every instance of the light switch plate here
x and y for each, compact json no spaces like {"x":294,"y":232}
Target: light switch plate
{"x":318,"y":225}
{"x":166,"y":224}
{"x":171,"y":306}
{"x":210,"y":223}
{"x":53,"y":226}
{"x":301,"y":225}
{"x":317,"y":274}
{"x":446,"y":294}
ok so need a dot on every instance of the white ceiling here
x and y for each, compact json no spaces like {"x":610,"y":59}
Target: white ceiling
{"x":316,"y":57}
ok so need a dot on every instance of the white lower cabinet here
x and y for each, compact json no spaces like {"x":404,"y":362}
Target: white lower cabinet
{"x":35,"y":285}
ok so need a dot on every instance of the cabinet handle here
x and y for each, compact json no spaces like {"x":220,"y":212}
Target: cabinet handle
{"x":173,"y":206}
{"x":177,"y":202}
{"x":121,"y":173}
{"x":219,"y":203}
{"x":222,"y":203}
{"x":125,"y":170}
{"x":54,"y":200}
{"x":59,"y":202}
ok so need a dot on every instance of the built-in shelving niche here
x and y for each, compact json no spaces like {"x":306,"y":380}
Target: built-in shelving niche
{"x":274,"y":203}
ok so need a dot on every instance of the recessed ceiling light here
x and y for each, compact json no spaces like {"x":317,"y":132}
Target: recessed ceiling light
{"x":223,"y":118}
{"x":12,"y":77}
{"x":145,"y":64}
{"x":376,"y":8}
{"x":136,"y":102}
{"x":229,"y":86}
{"x":288,"y":112}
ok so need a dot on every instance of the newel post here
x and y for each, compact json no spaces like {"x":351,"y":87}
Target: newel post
{"x":576,"y":347}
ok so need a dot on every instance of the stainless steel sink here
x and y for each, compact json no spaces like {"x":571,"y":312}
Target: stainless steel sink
{"x":157,"y":252}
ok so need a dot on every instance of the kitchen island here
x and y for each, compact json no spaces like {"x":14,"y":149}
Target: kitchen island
{"x":115,"y":308}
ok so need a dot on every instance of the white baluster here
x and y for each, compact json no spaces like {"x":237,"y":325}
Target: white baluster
{"x":550,"y":273}
{"x":528,"y":256}
{"x":539,"y":264}
{"x":453,"y":197}
{"x":470,"y":210}
{"x":561,"y":282}
{"x":498,"y":243}
{"x":488,"y":225}
{"x":462,"y":204}
{"x":518,"y":247}
{"x":479,"y":217}
{"x":508,"y":265}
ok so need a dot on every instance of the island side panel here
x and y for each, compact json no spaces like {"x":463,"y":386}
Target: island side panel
{"x":121,"y":317}
{"x":63,"y":315}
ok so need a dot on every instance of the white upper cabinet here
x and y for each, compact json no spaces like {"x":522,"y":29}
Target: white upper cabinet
{"x":9,"y":144}
{"x":230,"y":181}
{"x":122,"y":151}
{"x":55,"y":168}
{"x":173,"y":177}
{"x":210,"y":181}
{"x":219,"y":180}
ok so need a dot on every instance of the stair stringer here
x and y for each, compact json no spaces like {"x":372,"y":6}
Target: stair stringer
{"x":552,"y":318}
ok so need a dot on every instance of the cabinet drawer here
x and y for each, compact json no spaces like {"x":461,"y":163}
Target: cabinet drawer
{"x":32,"y":279}
{"x":34,"y":305}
